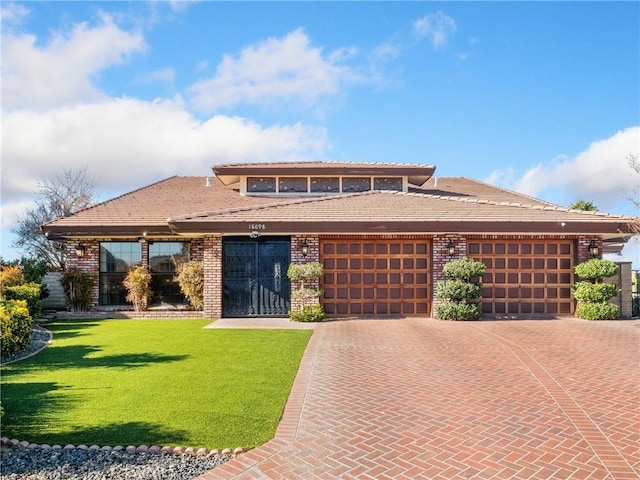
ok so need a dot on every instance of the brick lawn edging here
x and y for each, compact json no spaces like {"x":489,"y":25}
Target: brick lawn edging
{"x":129,"y":449}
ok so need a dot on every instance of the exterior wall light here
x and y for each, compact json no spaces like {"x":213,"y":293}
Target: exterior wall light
{"x":593,"y":248}
{"x":451,"y":248}
{"x":80,"y":250}
{"x":304,"y":248}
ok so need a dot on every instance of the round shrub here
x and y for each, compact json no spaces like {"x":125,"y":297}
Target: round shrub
{"x":15,"y":326}
{"x":458,"y":311}
{"x":464,"y":268}
{"x":308,"y":313}
{"x":594,"y":292}
{"x":596,"y":269}
{"x":458,"y":290}
{"x":597,"y":311}
{"x":30,"y":293}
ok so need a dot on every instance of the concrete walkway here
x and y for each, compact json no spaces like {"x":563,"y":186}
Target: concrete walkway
{"x":422,"y":398}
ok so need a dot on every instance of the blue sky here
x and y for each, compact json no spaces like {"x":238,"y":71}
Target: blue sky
{"x":542,"y":98}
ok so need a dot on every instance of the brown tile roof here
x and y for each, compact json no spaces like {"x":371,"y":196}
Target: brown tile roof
{"x":185,"y":205}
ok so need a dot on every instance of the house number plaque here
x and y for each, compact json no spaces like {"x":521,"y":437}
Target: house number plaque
{"x":257,"y":226}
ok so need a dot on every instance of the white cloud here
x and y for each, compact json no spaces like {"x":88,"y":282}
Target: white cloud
{"x":437,"y":27}
{"x":286,"y":68}
{"x":164,"y":75}
{"x":13,"y":14}
{"x":60,"y":72}
{"x":127,"y":141}
{"x":600,"y":174}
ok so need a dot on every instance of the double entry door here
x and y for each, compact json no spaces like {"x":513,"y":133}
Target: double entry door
{"x":254,"y":276}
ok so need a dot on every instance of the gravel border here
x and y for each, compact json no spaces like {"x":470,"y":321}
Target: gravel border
{"x":40,"y":339}
{"x":38,"y":463}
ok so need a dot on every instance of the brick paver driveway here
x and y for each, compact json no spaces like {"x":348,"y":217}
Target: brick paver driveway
{"x":422,"y":398}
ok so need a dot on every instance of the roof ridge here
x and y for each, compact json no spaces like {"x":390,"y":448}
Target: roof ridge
{"x":326,"y":162}
{"x":513,"y":192}
{"x":549,"y":206}
{"x":111,"y":200}
{"x":294,"y":201}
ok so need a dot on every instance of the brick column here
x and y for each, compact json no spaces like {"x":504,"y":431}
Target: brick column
{"x":440,"y":257}
{"x":313,"y":255}
{"x":88,"y":263}
{"x":212,"y":259}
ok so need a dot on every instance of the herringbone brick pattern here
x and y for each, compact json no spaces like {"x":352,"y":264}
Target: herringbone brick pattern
{"x":422,"y":398}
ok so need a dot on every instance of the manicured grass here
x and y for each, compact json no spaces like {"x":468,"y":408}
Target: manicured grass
{"x":163,"y":382}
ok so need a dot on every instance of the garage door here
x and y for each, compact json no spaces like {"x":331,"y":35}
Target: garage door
{"x":376,"y":277}
{"x":526,"y":277}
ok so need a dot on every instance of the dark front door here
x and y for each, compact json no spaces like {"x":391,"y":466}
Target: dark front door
{"x":254,"y":277}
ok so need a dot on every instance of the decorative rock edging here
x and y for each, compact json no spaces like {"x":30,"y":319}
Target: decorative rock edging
{"x":154,"y":449}
{"x":35,"y":347}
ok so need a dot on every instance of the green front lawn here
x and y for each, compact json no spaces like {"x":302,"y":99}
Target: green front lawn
{"x":162,"y":382}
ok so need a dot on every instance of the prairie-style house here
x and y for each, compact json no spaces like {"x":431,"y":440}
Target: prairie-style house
{"x":383,"y":233}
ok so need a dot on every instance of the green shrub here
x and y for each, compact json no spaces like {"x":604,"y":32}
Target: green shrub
{"x":29,"y":292}
{"x":137,"y":282}
{"x":191,"y":281}
{"x":592,"y":295}
{"x":464,"y":269}
{"x":597,"y":311}
{"x":594,"y":292}
{"x":459,"y":293}
{"x":458,"y":290}
{"x":308,"y":313}
{"x":15,"y":326}
{"x":305,"y":271}
{"x":78,"y":288}
{"x":10,"y":276}
{"x":596,"y":269}
{"x":459,"y":311}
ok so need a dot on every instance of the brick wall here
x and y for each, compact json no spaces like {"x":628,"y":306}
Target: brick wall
{"x":212,"y":258}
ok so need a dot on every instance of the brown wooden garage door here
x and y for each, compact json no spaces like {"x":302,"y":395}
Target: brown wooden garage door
{"x":526,"y":277}
{"x":376,"y":277}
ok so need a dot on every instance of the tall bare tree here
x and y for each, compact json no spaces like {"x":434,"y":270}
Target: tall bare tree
{"x":56,"y":197}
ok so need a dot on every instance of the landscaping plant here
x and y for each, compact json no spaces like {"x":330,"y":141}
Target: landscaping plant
{"x":137,"y":282}
{"x":78,"y":289}
{"x":310,"y":309}
{"x":592,"y":292}
{"x":15,"y":326}
{"x":460,"y":294}
{"x":191,"y":281}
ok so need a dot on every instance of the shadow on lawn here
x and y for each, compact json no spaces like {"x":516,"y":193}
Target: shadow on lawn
{"x":69,"y":328}
{"x":128,"y":433}
{"x":28,"y":407}
{"x":78,"y":356}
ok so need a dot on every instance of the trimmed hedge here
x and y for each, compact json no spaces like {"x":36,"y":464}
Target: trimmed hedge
{"x":459,"y":311}
{"x":308,"y":313}
{"x":29,"y":292}
{"x":15,"y":326}
{"x":594,"y":292}
{"x":597,"y":311}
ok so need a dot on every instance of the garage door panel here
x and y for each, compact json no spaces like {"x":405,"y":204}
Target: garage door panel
{"x":526,"y":277}
{"x":368,"y":277}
